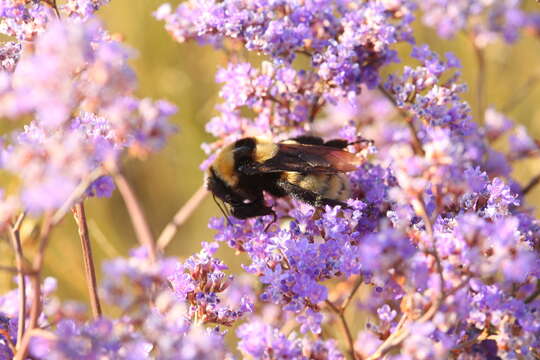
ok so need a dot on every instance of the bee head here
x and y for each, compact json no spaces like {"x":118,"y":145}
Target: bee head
{"x":217,"y":186}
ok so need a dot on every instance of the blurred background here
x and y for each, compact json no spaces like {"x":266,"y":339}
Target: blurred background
{"x":184,"y":75}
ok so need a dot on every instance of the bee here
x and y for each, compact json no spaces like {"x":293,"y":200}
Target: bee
{"x":306,"y":168}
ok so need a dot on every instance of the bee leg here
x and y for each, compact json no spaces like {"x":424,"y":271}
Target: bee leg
{"x":249,"y":210}
{"x":274,"y":219}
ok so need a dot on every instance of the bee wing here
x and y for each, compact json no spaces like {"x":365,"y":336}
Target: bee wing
{"x":310,"y":158}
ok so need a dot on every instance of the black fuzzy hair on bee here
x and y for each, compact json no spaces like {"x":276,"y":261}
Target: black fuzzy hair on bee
{"x":306,"y":168}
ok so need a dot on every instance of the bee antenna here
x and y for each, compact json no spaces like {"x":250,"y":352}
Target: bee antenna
{"x":273,"y":221}
{"x":221,"y":209}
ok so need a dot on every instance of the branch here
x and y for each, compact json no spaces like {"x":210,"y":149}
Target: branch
{"x":5,"y":334}
{"x":421,"y":208}
{"x":90,"y":272}
{"x":138,"y":219}
{"x":21,"y":280}
{"x":345,"y":326}
{"x":180,"y":217}
{"x":400,"y":333}
{"x":356,"y":286}
{"x":480,"y":80}
{"x":531,"y":185}
{"x":76,"y":194}
{"x":37,"y":266}
{"x":52,"y":4}
{"x":416,"y":144}
{"x":535,"y":294}
{"x":393,"y":340}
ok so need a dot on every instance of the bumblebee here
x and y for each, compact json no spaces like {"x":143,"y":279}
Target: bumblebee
{"x":306,"y":168}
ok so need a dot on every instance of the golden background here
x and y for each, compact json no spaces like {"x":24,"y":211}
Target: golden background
{"x":184,"y":75}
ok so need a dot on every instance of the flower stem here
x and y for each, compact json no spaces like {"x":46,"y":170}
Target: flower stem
{"x":16,"y":241}
{"x":531,"y":185}
{"x":180,"y":217}
{"x":346,"y":329}
{"x":349,"y":298}
{"x":138,"y":219}
{"x":90,"y":272}
{"x":35,"y":278}
{"x":399,"y":334}
{"x":54,"y":5}
{"x":535,"y":294}
{"x":416,"y":143}
{"x":480,"y":80}
{"x":76,"y":195}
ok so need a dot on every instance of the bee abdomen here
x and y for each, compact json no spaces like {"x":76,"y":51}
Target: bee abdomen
{"x":329,"y":186}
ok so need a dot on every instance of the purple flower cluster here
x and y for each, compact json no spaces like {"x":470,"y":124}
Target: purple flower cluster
{"x":259,"y":340}
{"x":155,"y":320}
{"x":9,"y":55}
{"x":343,"y":45}
{"x":76,"y":85}
{"x":437,"y":251}
{"x":437,"y":213}
{"x":199,"y":281}
{"x":486,"y":21}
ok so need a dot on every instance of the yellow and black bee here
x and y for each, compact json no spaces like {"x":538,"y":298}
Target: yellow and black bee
{"x":306,"y":168}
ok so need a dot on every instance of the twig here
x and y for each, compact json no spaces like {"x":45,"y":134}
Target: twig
{"x":10,"y":269}
{"x":395,"y":338}
{"x":49,"y":221}
{"x":8,"y":340}
{"x":37,"y":266}
{"x":52,"y":3}
{"x":345,"y":326}
{"x":467,"y":343}
{"x":390,"y":98}
{"x":138,"y":219}
{"x":180,"y":217}
{"x":401,"y":333}
{"x":316,"y":107}
{"x":534,"y":181}
{"x":90,"y":272}
{"x":21,"y":280}
{"x":535,"y":294}
{"x":75,"y":195}
{"x":421,"y":208}
{"x":26,"y":341}
{"x":356,"y":286}
{"x":416,"y":144}
{"x":14,"y":270}
{"x":480,"y":80}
